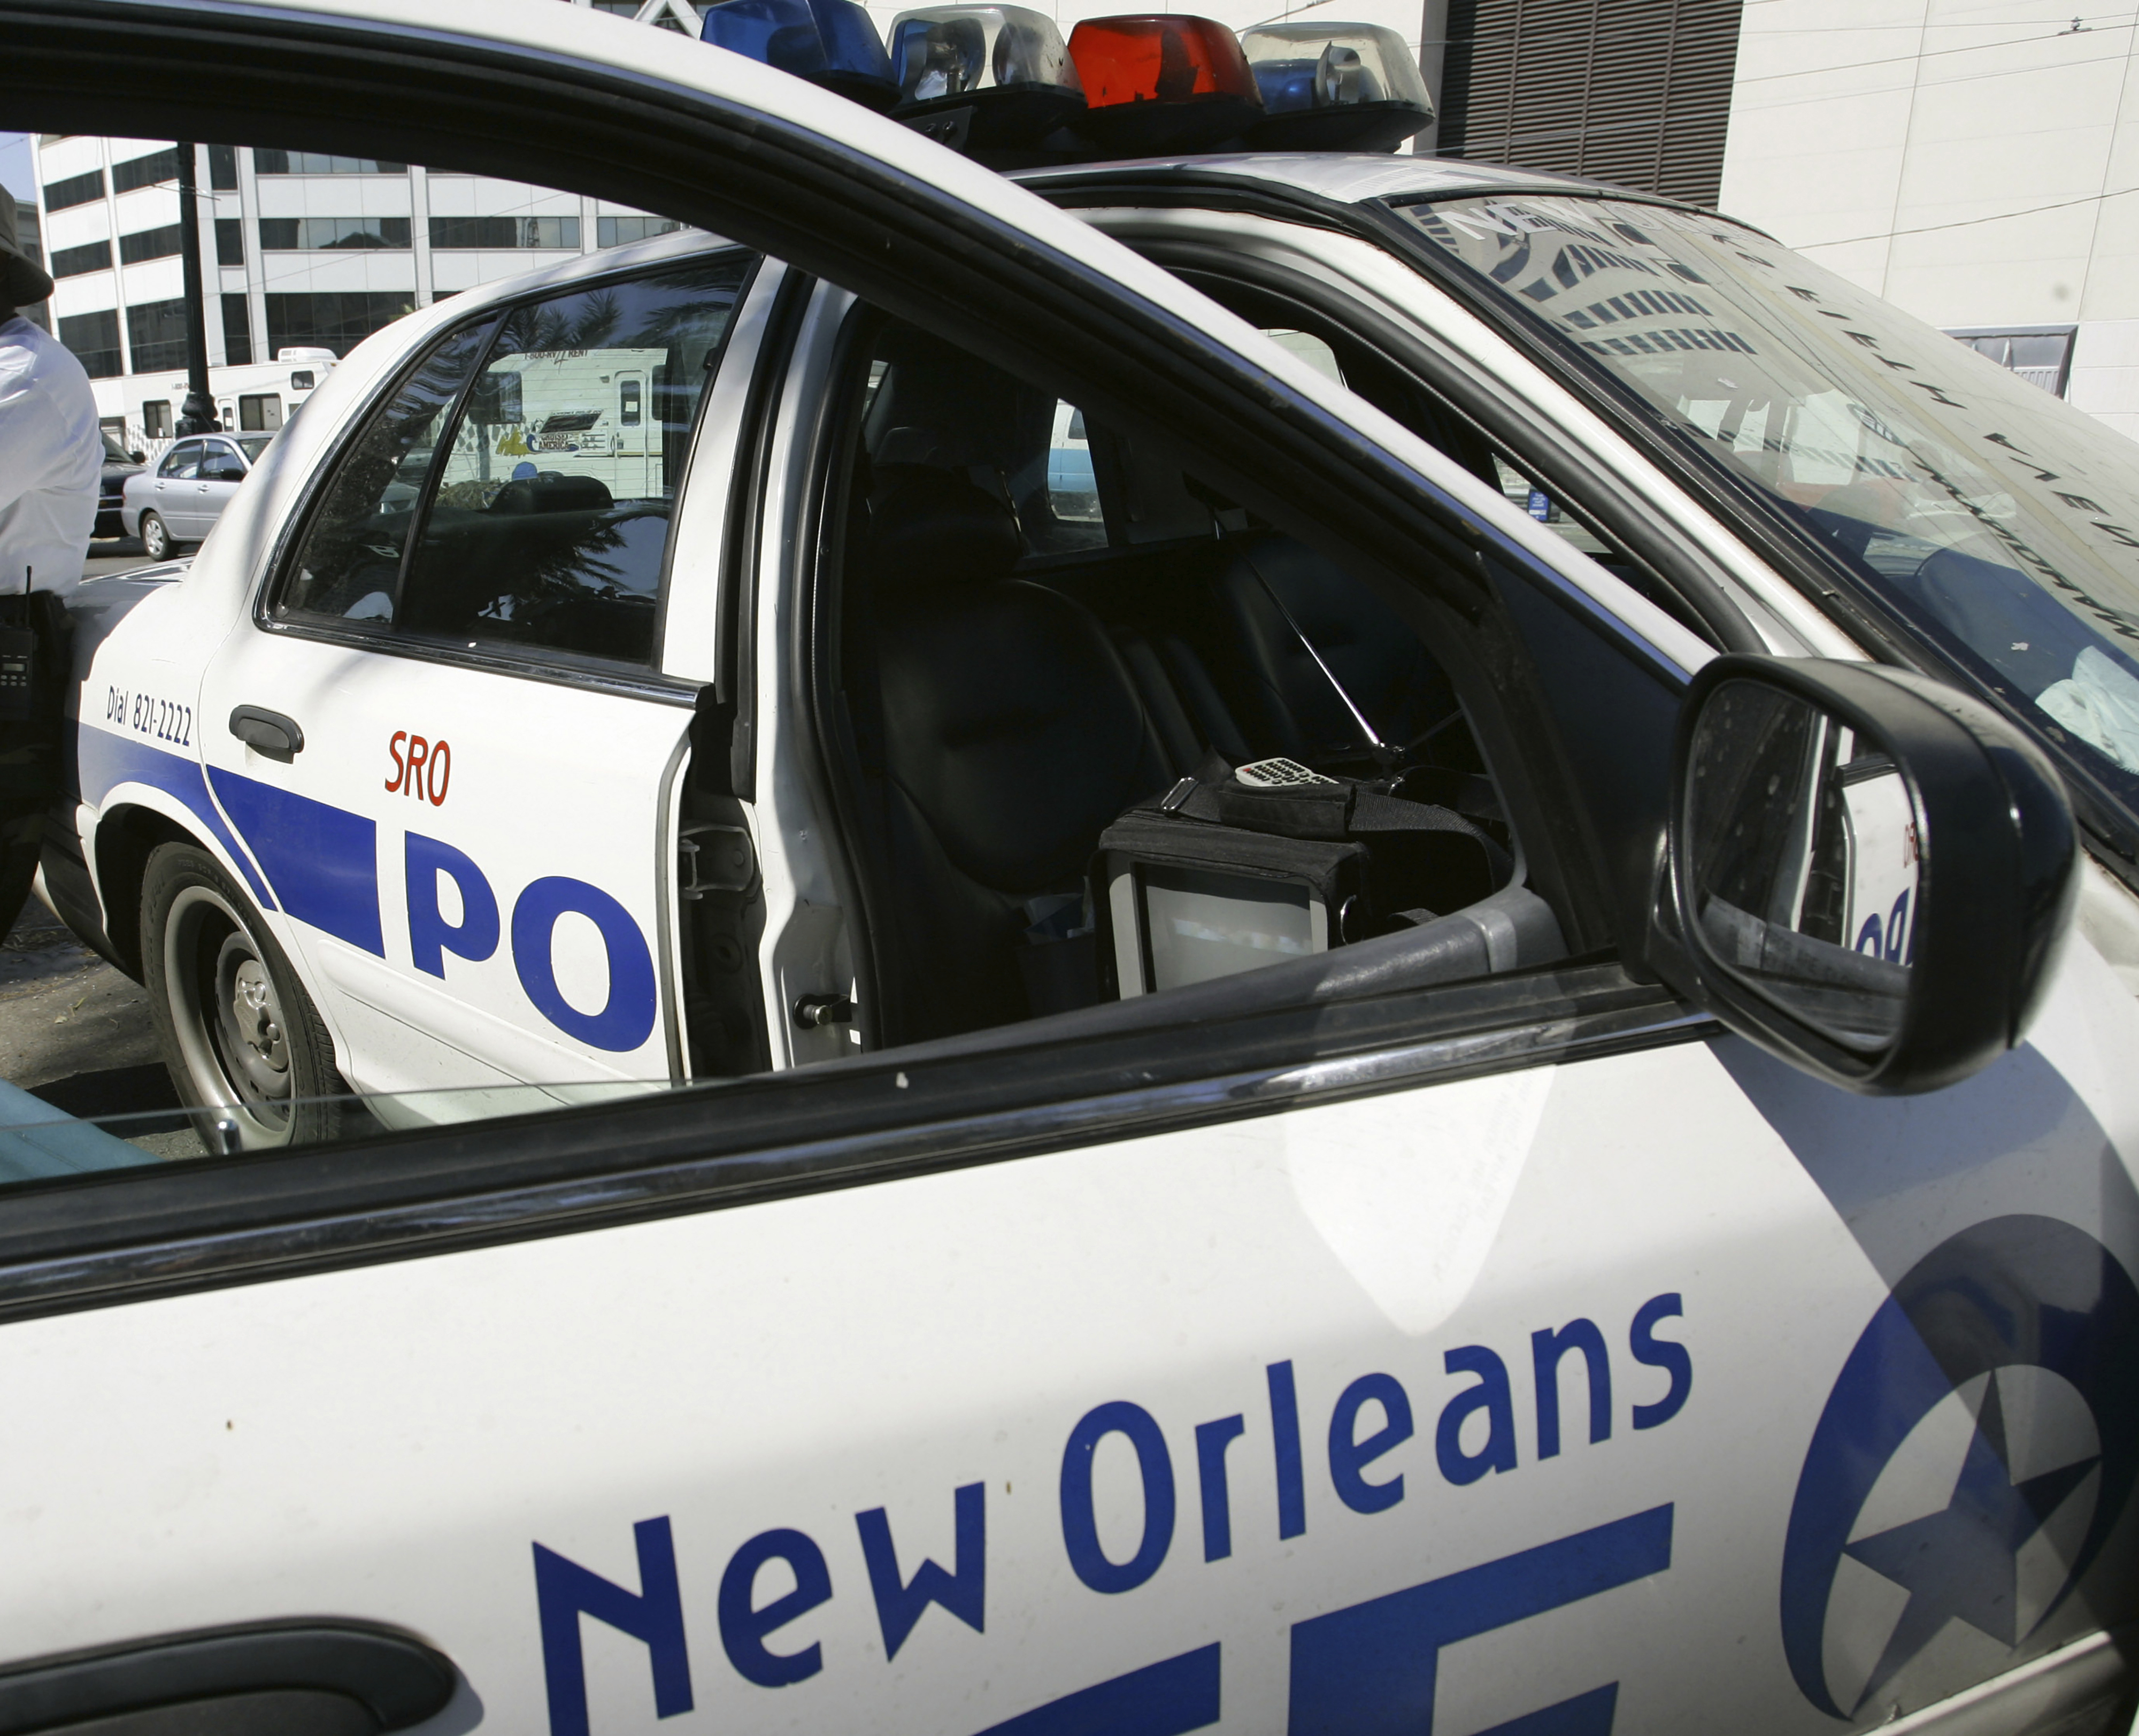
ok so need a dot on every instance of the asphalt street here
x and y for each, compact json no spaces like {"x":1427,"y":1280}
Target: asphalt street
{"x":73,"y":1030}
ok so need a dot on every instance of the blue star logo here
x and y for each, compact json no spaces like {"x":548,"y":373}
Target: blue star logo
{"x":1969,"y":1465}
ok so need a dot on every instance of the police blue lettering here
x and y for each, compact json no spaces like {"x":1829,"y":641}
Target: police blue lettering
{"x":653,"y":1616}
{"x":744,"y":1625}
{"x":1491,"y":1395}
{"x":430,"y":935}
{"x":1374,"y":1667}
{"x":1655,"y":1352}
{"x":626,"y":1019}
{"x":1080,"y":1530}
{"x":1349,"y":1458}
{"x":901,"y":1603}
{"x":1285,"y":1445}
{"x":1547,"y":1347}
{"x":1212,"y":1440}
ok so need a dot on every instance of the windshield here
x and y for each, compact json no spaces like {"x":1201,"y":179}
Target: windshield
{"x":113,"y":453}
{"x":1998,"y":517}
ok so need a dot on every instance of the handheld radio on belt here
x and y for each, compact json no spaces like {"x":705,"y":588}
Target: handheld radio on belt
{"x":21,"y":688}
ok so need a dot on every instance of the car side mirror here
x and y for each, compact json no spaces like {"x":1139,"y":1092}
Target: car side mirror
{"x":137,"y":458}
{"x":1869,"y":875}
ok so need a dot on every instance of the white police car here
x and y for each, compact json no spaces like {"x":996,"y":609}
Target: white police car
{"x":1415,"y":720}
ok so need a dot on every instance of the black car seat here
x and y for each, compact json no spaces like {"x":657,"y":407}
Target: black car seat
{"x":1012,"y":735}
{"x":1275,"y":598}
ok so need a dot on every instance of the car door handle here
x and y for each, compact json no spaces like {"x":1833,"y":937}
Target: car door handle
{"x":268,"y":733}
{"x":327,"y":1678}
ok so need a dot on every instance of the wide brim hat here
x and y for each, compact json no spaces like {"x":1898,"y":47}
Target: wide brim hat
{"x":23,"y":282}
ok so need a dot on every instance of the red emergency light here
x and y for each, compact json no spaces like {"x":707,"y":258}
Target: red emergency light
{"x":1171,"y":82}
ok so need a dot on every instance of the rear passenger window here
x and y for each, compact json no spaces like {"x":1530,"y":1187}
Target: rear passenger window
{"x":349,"y":566}
{"x":539,"y":456}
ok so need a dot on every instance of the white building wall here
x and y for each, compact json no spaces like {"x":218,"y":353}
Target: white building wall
{"x":1972,"y":163}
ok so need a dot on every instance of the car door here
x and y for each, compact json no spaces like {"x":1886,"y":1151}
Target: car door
{"x":1064,"y":1383}
{"x":450,"y":744}
{"x":174,"y":495}
{"x":222,"y":468}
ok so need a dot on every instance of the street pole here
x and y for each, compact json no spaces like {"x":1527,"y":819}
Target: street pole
{"x":197,"y":414}
{"x":1432,"y":65}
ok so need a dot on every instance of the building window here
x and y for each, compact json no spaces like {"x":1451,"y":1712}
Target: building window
{"x":156,"y":419}
{"x":2040,"y":355}
{"x":336,"y":322}
{"x":222,"y":168}
{"x":616,"y":232}
{"x":76,"y":189}
{"x":149,"y":244}
{"x":294,"y":234}
{"x":158,"y":166}
{"x":314,"y":162}
{"x":237,"y":330}
{"x":94,"y":256}
{"x":230,"y":241}
{"x":94,"y":338}
{"x":505,"y":232}
{"x":156,"y":333}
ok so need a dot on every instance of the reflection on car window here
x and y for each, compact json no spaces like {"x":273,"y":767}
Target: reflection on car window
{"x":551,"y":514}
{"x":2002,"y":520}
{"x":349,"y":563}
{"x":182,"y":463}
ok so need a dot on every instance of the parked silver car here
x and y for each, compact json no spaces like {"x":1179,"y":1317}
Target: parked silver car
{"x":178,"y":498}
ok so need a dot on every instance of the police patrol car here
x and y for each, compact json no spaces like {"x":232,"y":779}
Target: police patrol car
{"x":1351,"y":876}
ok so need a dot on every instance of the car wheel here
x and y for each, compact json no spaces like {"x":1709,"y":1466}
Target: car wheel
{"x":156,"y":539}
{"x":244,"y":1045}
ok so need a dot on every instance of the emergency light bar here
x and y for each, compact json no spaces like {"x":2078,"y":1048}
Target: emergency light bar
{"x":997,"y":81}
{"x":994,"y":77}
{"x":1173,"y":82}
{"x":829,"y":42}
{"x":1335,"y":87}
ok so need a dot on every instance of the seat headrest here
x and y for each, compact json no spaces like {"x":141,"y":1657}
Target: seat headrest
{"x":937,"y":530}
{"x":554,"y":493}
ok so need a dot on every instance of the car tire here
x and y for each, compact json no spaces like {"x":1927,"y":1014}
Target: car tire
{"x":155,"y":537}
{"x":245,"y":1046}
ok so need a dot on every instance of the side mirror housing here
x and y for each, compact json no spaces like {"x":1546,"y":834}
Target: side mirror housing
{"x":137,"y":458}
{"x":1868,"y":874}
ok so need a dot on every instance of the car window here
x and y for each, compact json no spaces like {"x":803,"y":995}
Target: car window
{"x":182,"y":463}
{"x":220,"y":461}
{"x":254,"y":444}
{"x":1018,"y":701}
{"x":549,"y":522}
{"x":349,"y":565}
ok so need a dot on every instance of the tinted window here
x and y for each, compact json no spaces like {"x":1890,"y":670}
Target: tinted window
{"x":551,"y":514}
{"x":222,"y":464}
{"x":349,"y":562}
{"x":183,"y":461}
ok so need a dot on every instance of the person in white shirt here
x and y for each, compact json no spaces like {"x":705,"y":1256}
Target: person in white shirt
{"x":51,"y":462}
{"x":52,"y":451}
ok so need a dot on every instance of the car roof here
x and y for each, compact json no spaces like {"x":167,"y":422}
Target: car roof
{"x":1344,"y":178}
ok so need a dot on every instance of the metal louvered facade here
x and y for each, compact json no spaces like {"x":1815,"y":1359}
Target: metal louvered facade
{"x":1637,"y":92}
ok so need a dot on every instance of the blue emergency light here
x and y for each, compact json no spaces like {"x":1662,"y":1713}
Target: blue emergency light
{"x":987,"y":77}
{"x":1335,"y":87}
{"x":829,"y":42}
